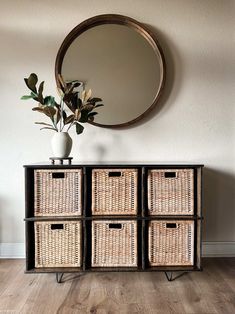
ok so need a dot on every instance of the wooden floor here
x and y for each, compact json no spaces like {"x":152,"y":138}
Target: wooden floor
{"x":210,"y":291}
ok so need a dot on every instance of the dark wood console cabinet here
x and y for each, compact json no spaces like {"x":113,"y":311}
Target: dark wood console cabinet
{"x":113,"y":217}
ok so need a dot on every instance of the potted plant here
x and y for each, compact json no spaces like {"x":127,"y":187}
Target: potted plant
{"x":70,"y":111}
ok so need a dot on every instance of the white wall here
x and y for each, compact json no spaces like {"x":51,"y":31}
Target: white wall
{"x":194,"y":121}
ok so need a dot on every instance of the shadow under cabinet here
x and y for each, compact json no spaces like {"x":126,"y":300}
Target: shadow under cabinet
{"x":113,"y":217}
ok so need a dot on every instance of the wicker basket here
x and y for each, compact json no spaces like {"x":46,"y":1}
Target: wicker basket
{"x":170,"y":192}
{"x":57,"y":192}
{"x":114,"y":191}
{"x":57,"y":244}
{"x":171,"y":243}
{"x":114,"y":243}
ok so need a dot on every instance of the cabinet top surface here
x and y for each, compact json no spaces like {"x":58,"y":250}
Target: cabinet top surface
{"x":115,"y":164}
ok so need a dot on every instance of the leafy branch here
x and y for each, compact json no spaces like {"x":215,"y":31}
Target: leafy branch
{"x":81,"y":108}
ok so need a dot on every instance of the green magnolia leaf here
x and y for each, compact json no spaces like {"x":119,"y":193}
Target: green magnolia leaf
{"x":99,"y":105}
{"x":90,"y":119}
{"x":40,"y":109}
{"x":57,"y":106}
{"x":79,"y":103}
{"x":69,"y":105}
{"x":79,"y":128}
{"x":40,"y":90}
{"x":34,"y":96}
{"x":76,"y":83}
{"x":90,"y":114}
{"x":64,"y":114}
{"x":71,"y":101}
{"x":69,"y":119}
{"x":49,"y":101}
{"x":87,"y":95}
{"x":73,"y":98}
{"x":49,"y":111}
{"x":87,"y":107}
{"x":95,"y":99}
{"x":84,"y":116}
{"x":25,"y":97}
{"x":83,"y":95}
{"x":71,"y":85}
{"x":77,"y":114}
{"x":31,"y":82}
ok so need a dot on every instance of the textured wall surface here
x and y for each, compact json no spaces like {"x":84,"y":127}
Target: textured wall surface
{"x":194,"y":121}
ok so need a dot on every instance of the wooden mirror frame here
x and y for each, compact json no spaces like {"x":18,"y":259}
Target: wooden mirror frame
{"x":121,"y":20}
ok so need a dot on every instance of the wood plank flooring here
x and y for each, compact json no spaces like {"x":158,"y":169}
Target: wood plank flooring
{"x":210,"y":291}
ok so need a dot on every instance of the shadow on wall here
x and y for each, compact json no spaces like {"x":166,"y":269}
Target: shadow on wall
{"x":173,"y":71}
{"x":101,"y":149}
{"x":173,"y":76}
{"x":219,"y":204}
{"x":100,"y":152}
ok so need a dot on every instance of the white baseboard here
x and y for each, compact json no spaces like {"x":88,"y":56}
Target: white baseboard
{"x":218,"y":249}
{"x":209,"y":249}
{"x":12,"y":250}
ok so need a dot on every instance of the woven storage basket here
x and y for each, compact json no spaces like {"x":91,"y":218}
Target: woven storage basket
{"x":114,"y":191}
{"x":57,"y":244}
{"x":57,"y":192}
{"x":170,"y":192}
{"x":171,"y":243}
{"x":114,"y":243}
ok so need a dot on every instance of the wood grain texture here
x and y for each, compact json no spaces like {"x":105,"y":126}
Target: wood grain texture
{"x":210,"y":291}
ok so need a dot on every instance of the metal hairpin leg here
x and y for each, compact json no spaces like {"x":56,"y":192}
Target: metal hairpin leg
{"x":170,"y":278}
{"x":59,"y":277}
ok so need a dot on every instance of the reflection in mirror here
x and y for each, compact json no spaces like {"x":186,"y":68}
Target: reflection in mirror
{"x":120,"y":66}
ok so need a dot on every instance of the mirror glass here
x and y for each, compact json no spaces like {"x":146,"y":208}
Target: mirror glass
{"x":120,"y":66}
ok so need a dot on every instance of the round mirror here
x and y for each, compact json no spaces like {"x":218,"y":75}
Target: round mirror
{"x":120,"y":60}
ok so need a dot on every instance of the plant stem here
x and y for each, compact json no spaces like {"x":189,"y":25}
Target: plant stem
{"x":54,"y":124}
{"x":61,"y":112}
{"x":72,"y":123}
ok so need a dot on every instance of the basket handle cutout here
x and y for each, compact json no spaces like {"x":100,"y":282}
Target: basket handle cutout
{"x":115,"y":174}
{"x":57,"y":226}
{"x":171,"y":225}
{"x":115,"y":226}
{"x":58,"y":175}
{"x":170,"y":174}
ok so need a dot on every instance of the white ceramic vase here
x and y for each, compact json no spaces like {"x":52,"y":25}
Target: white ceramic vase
{"x":61,"y":144}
